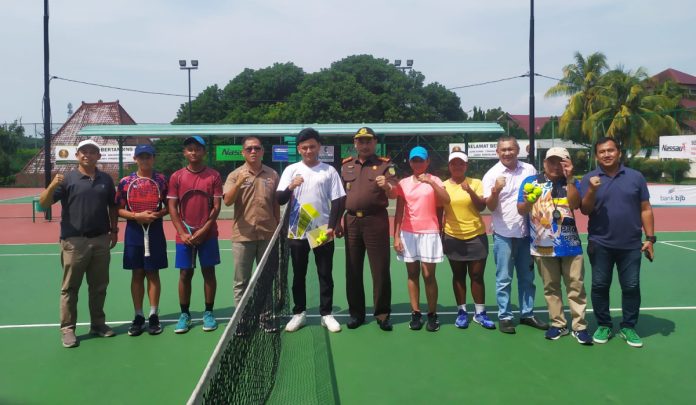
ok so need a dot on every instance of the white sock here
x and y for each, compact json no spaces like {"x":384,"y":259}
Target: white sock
{"x":480,"y":308}
{"x":462,"y":307}
{"x":154,"y":310}
{"x":139,"y":312}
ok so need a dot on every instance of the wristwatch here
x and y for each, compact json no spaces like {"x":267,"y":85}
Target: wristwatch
{"x":651,"y":239}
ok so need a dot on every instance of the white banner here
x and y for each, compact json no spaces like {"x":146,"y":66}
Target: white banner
{"x":109,"y":154}
{"x":678,"y":147}
{"x":667,"y":195}
{"x":326,"y":154}
{"x":486,"y":150}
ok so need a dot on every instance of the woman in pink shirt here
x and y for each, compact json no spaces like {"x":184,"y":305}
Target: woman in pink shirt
{"x":417,"y":234}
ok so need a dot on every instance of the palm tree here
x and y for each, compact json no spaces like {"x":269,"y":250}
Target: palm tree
{"x":631,"y":113}
{"x":580,"y":82}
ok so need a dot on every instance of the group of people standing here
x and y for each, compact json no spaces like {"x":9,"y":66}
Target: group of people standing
{"x":532,"y":218}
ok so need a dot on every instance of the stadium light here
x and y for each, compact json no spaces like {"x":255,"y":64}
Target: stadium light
{"x":194,"y":66}
{"x":409,"y":65}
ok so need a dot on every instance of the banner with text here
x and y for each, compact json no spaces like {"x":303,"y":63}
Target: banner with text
{"x":65,"y":154}
{"x":486,"y":150}
{"x":678,"y":147}
{"x":671,"y":195}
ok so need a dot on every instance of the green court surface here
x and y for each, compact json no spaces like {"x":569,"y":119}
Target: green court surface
{"x":361,"y":366}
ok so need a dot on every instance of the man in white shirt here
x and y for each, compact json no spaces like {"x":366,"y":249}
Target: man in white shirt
{"x":316,"y":196}
{"x":501,"y":186}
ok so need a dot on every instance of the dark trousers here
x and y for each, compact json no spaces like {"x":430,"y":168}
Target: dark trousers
{"x":323,"y":258}
{"x":369,"y":233}
{"x":627,"y":263}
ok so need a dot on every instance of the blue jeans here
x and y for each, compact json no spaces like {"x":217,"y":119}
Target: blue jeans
{"x":512,"y":253}
{"x":627,"y":263}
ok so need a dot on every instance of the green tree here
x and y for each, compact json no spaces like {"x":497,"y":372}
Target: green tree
{"x":10,"y":139}
{"x":581,"y":83}
{"x":629,"y":112}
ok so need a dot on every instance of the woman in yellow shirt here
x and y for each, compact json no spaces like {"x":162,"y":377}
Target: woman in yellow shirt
{"x":464,"y":241}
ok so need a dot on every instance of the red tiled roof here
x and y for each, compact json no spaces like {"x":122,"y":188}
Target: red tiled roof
{"x":676,"y":76}
{"x":523,"y":122}
{"x":686,"y":103}
{"x":109,"y":113}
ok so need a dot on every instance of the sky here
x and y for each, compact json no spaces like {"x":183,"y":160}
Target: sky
{"x":137,"y":44}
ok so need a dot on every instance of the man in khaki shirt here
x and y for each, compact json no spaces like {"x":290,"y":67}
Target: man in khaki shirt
{"x":251,"y":187}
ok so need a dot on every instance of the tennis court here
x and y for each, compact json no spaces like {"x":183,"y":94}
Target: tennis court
{"x":358,"y":366}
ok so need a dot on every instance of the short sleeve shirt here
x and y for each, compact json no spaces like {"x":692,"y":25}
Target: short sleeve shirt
{"x":420,"y":206}
{"x":552,"y":237}
{"x":359,"y":180}
{"x":462,"y":218}
{"x":254,"y":207}
{"x":84,"y":204}
{"x":506,"y":221}
{"x":310,"y":204}
{"x":208,"y":180}
{"x":615,"y":221}
{"x":134,"y":232}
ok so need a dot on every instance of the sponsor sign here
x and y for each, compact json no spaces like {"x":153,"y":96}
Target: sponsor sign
{"x":279,"y":153}
{"x":326,"y":154}
{"x":65,"y":154}
{"x":678,"y":147}
{"x":229,"y":153}
{"x":669,"y":195}
{"x":486,"y":150}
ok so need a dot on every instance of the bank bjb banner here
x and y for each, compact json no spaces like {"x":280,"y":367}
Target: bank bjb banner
{"x":672,"y":195}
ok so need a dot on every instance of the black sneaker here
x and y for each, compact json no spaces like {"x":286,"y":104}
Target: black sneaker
{"x":433,"y":324}
{"x":416,"y":321}
{"x":270,"y":324}
{"x":385,"y":324}
{"x":153,"y":325}
{"x":137,"y":327}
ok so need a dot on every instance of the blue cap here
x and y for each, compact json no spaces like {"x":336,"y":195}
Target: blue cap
{"x":199,"y":140}
{"x":418,"y":152}
{"x":140,"y":149}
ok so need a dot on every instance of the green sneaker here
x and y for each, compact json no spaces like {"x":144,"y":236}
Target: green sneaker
{"x":602,"y":335}
{"x":631,"y":337}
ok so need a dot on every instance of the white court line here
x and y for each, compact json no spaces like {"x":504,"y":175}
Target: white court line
{"x":681,"y":247}
{"x":404,"y":314}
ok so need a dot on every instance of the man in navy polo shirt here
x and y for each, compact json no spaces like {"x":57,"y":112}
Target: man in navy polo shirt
{"x":88,"y":230}
{"x":617,"y":201}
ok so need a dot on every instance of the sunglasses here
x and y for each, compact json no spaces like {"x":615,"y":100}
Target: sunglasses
{"x":252,"y":148}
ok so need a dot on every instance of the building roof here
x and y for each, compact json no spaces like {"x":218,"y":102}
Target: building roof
{"x":99,"y":113}
{"x":676,"y":76}
{"x":523,"y":122}
{"x":264,"y":130}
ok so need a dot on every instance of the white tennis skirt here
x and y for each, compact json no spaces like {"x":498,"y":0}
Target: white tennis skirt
{"x":423,"y":247}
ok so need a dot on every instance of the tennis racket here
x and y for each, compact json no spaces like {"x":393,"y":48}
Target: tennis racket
{"x":194,"y":210}
{"x":144,"y":195}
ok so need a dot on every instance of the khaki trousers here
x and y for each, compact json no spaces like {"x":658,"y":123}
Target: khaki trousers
{"x":571,"y":269}
{"x":82,"y":256}
{"x":244,"y":254}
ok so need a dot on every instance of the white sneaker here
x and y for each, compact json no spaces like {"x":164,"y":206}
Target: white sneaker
{"x":330,"y":323}
{"x":297,"y":321}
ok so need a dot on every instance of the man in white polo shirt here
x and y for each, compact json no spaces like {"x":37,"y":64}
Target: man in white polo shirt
{"x":501,"y":186}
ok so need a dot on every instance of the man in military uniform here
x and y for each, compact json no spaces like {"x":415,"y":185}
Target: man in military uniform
{"x":369,"y":181}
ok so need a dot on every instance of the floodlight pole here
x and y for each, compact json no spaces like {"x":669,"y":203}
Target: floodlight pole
{"x":46,"y":108}
{"x":532,"y":152}
{"x":194,"y":66}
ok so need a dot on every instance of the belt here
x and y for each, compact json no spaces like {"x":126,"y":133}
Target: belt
{"x":365,"y":213}
{"x":91,"y":234}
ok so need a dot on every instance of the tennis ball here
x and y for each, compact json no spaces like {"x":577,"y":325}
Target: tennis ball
{"x":528,"y":188}
{"x":537,"y":191}
{"x":531,"y":198}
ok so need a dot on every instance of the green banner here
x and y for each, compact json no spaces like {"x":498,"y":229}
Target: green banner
{"x":229,"y":153}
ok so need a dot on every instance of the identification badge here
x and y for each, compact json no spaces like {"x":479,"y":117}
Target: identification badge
{"x":392,"y":171}
{"x":556,"y":214}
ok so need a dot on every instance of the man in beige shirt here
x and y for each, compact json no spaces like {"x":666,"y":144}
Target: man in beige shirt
{"x":251,"y":187}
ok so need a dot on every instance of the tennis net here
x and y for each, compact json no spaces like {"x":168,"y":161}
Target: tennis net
{"x":242,"y":369}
